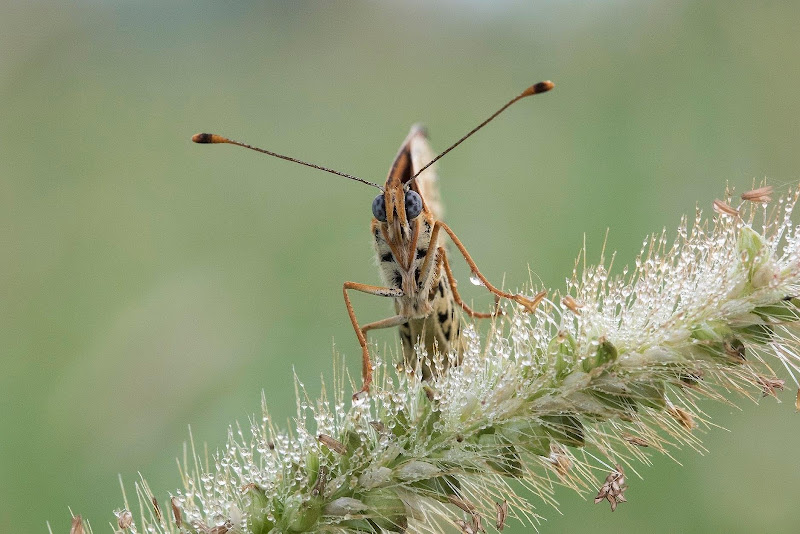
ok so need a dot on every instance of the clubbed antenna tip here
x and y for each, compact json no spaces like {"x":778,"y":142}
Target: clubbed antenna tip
{"x":541,"y":87}
{"x":205,"y":138}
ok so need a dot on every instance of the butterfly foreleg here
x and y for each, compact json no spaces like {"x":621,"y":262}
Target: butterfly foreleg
{"x":528,"y":304}
{"x":366,"y":364}
{"x":431,"y":266}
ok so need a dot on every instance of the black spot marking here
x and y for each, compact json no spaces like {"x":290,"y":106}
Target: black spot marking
{"x":387,"y":257}
{"x":378,"y":234}
{"x":398,"y":279}
{"x":405,"y":333}
{"x":442,"y":317}
{"x":441,"y":287}
{"x":447,"y":332}
{"x":421,"y":253}
{"x":416,"y":274}
{"x":458,"y":331}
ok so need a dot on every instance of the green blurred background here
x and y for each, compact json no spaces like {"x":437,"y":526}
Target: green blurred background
{"x":149,"y":283}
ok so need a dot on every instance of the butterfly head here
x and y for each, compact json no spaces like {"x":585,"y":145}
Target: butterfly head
{"x":400,"y":203}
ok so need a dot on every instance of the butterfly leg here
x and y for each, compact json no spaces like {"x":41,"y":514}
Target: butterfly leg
{"x":528,"y":304}
{"x":452,"y":281}
{"x":389,"y":322}
{"x":366,"y":364}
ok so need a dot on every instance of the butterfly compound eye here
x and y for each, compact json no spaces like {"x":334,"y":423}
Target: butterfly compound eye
{"x":379,"y":208}
{"x":413,"y":204}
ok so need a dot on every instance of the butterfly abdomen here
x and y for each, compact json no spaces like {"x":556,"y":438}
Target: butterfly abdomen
{"x":439,"y":334}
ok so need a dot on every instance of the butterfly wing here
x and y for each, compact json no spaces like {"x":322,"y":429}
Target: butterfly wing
{"x":421,"y":154}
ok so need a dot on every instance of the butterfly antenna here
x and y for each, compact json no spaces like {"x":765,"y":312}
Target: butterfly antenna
{"x":535,"y":89}
{"x":206,"y":138}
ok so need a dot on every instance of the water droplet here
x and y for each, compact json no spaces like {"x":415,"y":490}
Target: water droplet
{"x":475,"y":279}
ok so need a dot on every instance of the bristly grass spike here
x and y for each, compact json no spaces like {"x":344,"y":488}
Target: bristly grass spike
{"x":406,"y":228}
